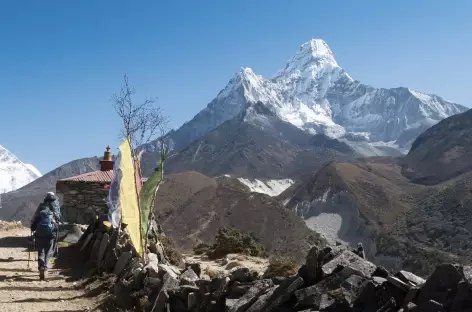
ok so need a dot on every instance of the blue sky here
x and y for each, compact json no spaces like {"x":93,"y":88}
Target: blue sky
{"x":60,"y":61}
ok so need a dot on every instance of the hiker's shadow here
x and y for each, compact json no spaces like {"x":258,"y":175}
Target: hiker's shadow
{"x":15,"y":242}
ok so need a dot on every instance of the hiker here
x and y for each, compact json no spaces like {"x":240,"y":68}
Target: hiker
{"x":360,"y":250}
{"x":52,"y":202}
{"x":44,"y":227}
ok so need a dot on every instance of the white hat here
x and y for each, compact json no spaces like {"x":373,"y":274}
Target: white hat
{"x":51,"y":194}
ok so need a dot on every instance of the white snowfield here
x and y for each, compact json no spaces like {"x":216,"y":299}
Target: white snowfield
{"x":269,"y":187}
{"x":315,"y":94}
{"x":14,"y":173}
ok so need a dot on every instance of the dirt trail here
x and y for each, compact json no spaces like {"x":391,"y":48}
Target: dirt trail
{"x":20,"y":288}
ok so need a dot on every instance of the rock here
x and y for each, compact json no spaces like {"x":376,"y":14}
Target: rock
{"x":103,"y":247}
{"x":152,"y":265}
{"x":191,"y":300}
{"x":467,"y":273}
{"x":366,"y":300}
{"x":398,"y":283}
{"x":406,"y":277}
{"x":195,"y":267}
{"x":218,"y":286}
{"x":122,"y":262}
{"x":86,"y":241}
{"x":410,"y":307}
{"x":389,"y":306}
{"x":242,"y":274}
{"x":230,"y":303}
{"x":310,"y":297}
{"x":152,"y":282}
{"x":441,"y":284}
{"x":237,"y":289}
{"x":352,"y":287}
{"x":189,"y":277}
{"x":259,"y":288}
{"x":378,"y":281}
{"x":169,"y":283}
{"x":349,"y":259}
{"x":463,"y":298}
{"x":282,"y":293}
{"x":73,"y":234}
{"x":167,"y":269}
{"x":430,"y":306}
{"x":380,"y":271}
{"x":411,"y":295}
{"x":262,"y":300}
{"x":313,"y":265}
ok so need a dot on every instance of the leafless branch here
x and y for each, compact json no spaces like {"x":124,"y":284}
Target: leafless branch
{"x":141,"y":122}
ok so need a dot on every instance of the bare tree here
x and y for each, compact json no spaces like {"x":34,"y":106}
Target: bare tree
{"x":141,"y":122}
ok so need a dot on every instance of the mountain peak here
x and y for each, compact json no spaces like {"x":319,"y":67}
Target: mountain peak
{"x":318,"y":49}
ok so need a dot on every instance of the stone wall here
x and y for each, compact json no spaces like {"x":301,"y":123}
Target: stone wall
{"x":332,"y":279}
{"x":82,"y":201}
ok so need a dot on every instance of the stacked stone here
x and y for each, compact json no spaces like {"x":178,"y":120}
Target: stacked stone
{"x":332,"y":279}
{"x":83,"y":202}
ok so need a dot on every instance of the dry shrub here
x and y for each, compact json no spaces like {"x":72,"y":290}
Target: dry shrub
{"x":230,"y":240}
{"x":8,"y":226}
{"x":281,"y":267}
{"x":171,"y":252}
{"x":212,"y":273}
{"x":201,"y":249}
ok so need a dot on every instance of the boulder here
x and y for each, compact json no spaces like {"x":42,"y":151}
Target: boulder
{"x":380,"y":271}
{"x":441,"y":285}
{"x":196,"y":267}
{"x":314,"y":261}
{"x":103,"y":247}
{"x":463,"y":298}
{"x":189,"y":277}
{"x":262,"y":300}
{"x":167,"y":269}
{"x":349,"y":259}
{"x":282,"y":293}
{"x":430,"y":306}
{"x":407,"y":277}
{"x":242,"y":274}
{"x":398,"y":283}
{"x":152,"y":265}
{"x":258,"y":289}
{"x":122,"y":262}
{"x":169,"y":283}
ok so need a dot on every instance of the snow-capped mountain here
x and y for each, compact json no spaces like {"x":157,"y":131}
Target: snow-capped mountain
{"x":14,"y":173}
{"x":315,"y":94}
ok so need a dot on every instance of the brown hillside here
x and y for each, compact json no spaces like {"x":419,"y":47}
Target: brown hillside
{"x":400,"y":223}
{"x":442,"y":152}
{"x":195,"y":214}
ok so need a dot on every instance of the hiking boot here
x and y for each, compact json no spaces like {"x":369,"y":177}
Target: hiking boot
{"x":42,"y":274}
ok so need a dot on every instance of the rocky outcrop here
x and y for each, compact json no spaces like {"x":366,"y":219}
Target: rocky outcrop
{"x":332,"y":279}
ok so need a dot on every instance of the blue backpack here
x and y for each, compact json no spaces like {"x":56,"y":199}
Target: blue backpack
{"x":46,"y":227}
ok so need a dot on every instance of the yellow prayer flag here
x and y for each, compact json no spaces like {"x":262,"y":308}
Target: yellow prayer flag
{"x":129,"y":198}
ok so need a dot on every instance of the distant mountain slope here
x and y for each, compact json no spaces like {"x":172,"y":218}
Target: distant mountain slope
{"x":315,"y":94}
{"x":14,"y":173}
{"x":400,"y":223}
{"x":21,"y":204}
{"x":256,"y":144}
{"x":192,"y":207}
{"x":442,"y":152}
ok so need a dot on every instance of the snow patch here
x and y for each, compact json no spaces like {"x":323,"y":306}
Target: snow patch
{"x":269,"y":187}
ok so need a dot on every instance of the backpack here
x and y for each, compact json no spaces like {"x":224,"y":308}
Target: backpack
{"x":46,"y":226}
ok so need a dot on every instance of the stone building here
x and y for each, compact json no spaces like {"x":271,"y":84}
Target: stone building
{"x":85,"y":195}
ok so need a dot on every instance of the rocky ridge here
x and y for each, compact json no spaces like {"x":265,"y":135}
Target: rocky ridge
{"x":332,"y":279}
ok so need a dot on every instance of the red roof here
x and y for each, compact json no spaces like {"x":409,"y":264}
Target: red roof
{"x":95,"y":176}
